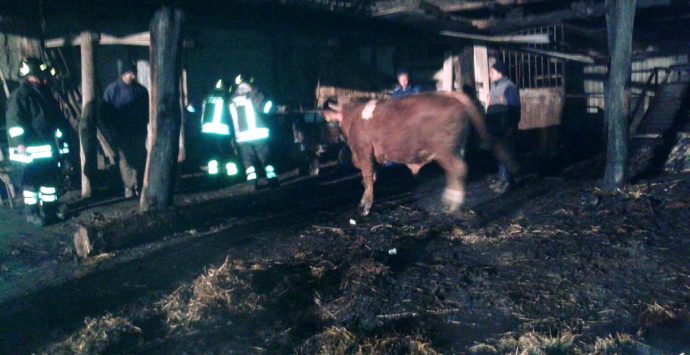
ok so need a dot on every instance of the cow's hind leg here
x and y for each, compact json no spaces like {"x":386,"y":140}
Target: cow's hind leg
{"x":456,"y":172}
{"x":368,"y":178}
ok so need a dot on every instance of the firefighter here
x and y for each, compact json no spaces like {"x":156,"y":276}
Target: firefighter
{"x":217,"y":133}
{"x":247,"y":109}
{"x":33,"y":122}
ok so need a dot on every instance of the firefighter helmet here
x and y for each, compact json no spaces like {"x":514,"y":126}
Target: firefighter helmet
{"x":31,"y":66}
{"x":48,"y":72}
{"x":244,"y":78}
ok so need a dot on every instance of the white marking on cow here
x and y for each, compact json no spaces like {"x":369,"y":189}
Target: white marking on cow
{"x":454,"y":196}
{"x":368,"y":111}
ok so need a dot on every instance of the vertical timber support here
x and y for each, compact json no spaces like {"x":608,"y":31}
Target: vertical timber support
{"x":446,"y":82}
{"x":467,"y":83}
{"x":165,"y":115}
{"x":620,"y":17}
{"x":87,"y":121}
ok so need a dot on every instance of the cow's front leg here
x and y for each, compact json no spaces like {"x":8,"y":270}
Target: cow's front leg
{"x":368,"y":179}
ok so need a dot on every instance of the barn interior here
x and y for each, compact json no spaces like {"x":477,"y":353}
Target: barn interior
{"x":294,"y":48}
{"x":305,"y":54}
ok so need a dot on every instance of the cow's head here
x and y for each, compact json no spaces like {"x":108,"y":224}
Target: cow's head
{"x":335,"y":114}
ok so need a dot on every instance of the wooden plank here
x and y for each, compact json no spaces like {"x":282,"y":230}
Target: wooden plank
{"x":165,"y":117}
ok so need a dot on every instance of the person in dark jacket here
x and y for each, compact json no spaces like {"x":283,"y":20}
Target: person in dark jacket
{"x":503,"y":117}
{"x":404,"y":87}
{"x":125,"y":118}
{"x":33,"y":122}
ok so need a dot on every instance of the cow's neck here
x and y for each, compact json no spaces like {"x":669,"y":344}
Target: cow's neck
{"x":346,"y":126}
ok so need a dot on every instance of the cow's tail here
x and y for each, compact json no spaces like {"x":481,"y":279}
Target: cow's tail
{"x":479,"y":124}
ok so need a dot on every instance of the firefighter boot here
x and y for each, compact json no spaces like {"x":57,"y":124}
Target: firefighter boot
{"x":271,"y":175}
{"x":48,"y":212}
{"x":251,"y":177}
{"x":62,"y":211}
{"x":32,"y":215}
{"x":31,"y":210}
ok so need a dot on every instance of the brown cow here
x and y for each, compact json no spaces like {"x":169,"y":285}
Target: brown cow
{"x":413,"y":131}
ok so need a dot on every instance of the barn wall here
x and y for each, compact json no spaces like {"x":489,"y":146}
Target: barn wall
{"x":641,"y":69}
{"x":541,"y":107}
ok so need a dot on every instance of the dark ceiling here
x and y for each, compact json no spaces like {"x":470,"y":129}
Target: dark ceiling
{"x":379,"y":20}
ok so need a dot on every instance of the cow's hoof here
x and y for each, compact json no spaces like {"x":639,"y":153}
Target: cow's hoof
{"x":364,"y":211}
{"x":451,"y":209}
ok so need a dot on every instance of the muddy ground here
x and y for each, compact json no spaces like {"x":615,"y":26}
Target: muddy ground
{"x":556,"y":266}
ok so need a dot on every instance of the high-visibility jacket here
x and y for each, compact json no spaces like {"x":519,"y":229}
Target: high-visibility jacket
{"x":33,"y":118}
{"x":247,"y":121}
{"x":215,"y":118}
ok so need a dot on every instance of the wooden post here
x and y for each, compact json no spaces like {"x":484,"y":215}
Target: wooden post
{"x":620,"y":17}
{"x":166,"y":66}
{"x":446,"y":82}
{"x":467,"y":84}
{"x":87,"y":122}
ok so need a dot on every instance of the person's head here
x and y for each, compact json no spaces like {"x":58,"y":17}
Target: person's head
{"x":403,"y":78}
{"x":128,"y":73}
{"x":30,"y":70}
{"x":497,"y":71}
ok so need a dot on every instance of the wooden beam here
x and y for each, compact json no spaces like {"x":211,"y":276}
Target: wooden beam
{"x":620,"y":18}
{"x":577,"y":10}
{"x":531,"y":39}
{"x":433,"y":10}
{"x":380,"y":12}
{"x":166,"y":68}
{"x":478,"y":5}
{"x":4,"y":84}
{"x":560,"y":55}
{"x":142,"y":39}
{"x":137,"y":39}
{"x":87,"y":122}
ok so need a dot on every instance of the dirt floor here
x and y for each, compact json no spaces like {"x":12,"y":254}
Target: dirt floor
{"x":556,"y":266}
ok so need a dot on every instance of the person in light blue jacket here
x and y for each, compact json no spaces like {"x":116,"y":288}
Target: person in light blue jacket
{"x":404,"y":88}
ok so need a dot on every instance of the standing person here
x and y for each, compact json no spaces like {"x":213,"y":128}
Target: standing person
{"x":404,"y":88}
{"x":247,"y":108}
{"x":33,"y":121}
{"x":216,"y":133}
{"x":503,"y":117}
{"x":125,"y":117}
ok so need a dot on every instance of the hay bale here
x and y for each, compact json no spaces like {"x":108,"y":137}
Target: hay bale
{"x":334,"y":340}
{"x":398,"y":345}
{"x":619,"y":344}
{"x":107,"y":334}
{"x":218,"y":291}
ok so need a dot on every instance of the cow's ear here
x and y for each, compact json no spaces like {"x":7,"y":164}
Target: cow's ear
{"x":333,"y":116}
